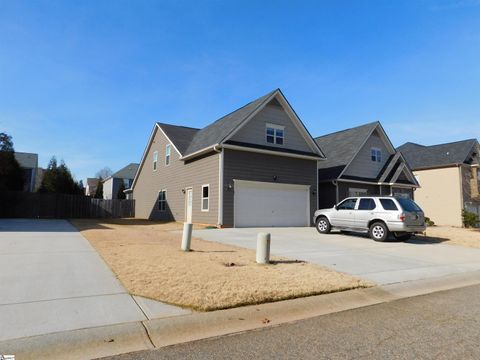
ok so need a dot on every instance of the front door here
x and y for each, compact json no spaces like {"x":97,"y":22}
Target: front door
{"x":189,"y":202}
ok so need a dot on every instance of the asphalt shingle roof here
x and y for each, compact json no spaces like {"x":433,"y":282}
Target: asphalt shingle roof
{"x":420,"y":156}
{"x":27,"y":160}
{"x":128,"y":172}
{"x":340,"y":147}
{"x":220,"y":129}
{"x":180,"y":136}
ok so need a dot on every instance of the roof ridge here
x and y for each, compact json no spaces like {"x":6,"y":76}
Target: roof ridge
{"x":344,"y":130}
{"x":450,"y":143}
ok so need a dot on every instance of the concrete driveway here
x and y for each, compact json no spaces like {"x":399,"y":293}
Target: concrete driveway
{"x":52,"y":280}
{"x":382,"y":263}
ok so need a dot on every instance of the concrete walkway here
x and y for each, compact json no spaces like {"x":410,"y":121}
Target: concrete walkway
{"x":52,"y":280}
{"x":382,"y":263}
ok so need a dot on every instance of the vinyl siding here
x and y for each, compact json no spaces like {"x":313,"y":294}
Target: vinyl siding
{"x":343,"y":189}
{"x":362,"y":165}
{"x":254,"y":131}
{"x":108,"y":189}
{"x":175,"y":177}
{"x":440,"y":195}
{"x":242,"y":165}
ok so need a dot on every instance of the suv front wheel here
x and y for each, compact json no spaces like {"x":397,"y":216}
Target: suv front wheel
{"x":323,"y":225}
{"x":379,"y":231}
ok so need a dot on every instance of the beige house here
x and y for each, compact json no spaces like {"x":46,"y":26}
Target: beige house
{"x":449,"y":178}
{"x":256,"y":166}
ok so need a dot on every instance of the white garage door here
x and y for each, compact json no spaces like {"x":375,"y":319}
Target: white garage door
{"x":263,"y":204}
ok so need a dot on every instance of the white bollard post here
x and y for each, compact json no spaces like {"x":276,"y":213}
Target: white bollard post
{"x":263,"y":248}
{"x":187,"y":236}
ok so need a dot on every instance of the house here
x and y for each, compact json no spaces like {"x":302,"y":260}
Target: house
{"x":119,"y":181}
{"x":29,"y":164}
{"x":361,"y":161}
{"x":449,"y":176}
{"x":91,"y":187}
{"x":255,"y":166}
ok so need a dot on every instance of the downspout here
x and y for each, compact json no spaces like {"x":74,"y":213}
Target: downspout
{"x":220,"y":185}
{"x":335,"y":183}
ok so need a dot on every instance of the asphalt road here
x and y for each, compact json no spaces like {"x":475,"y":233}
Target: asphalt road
{"x":443,"y":325}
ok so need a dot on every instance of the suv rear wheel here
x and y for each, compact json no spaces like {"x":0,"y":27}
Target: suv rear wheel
{"x":379,"y":231}
{"x":323,"y":225}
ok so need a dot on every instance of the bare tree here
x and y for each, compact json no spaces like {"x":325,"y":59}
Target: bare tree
{"x":104,"y":173}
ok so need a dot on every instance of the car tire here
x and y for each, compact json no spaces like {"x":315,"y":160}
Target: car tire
{"x":379,"y":231}
{"x":403,"y":237}
{"x":323,"y":225}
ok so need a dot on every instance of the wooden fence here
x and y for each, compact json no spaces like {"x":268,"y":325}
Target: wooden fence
{"x":62,"y":206}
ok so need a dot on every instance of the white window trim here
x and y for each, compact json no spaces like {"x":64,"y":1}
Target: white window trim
{"x":203,"y":198}
{"x":377,"y":151}
{"x":158,"y":200}
{"x":155,"y":161}
{"x":169,"y":156}
{"x":275,"y":127}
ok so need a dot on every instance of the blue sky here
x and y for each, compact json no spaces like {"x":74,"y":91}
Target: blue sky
{"x":86,"y":80}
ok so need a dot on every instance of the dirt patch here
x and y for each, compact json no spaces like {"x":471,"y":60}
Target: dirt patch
{"x":147,"y":259}
{"x":452,"y":235}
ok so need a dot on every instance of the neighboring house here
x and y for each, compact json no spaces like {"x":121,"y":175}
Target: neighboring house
{"x":91,"y":187}
{"x":113,"y":183}
{"x":253,"y":167}
{"x":39,"y":178}
{"x":29,"y":164}
{"x":449,"y":176}
{"x":361,"y":161}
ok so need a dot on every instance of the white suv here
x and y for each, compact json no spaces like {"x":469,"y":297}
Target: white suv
{"x":377,"y":215}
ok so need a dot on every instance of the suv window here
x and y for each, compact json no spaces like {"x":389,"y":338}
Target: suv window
{"x":408,"y":205}
{"x":348,"y":204}
{"x":388,"y":204}
{"x":366,"y":204}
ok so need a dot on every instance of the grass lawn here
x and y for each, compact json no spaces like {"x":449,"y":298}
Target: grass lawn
{"x":147,"y":259}
{"x":453,"y":235}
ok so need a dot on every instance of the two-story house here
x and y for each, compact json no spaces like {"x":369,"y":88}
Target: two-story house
{"x":256,"y":166}
{"x":119,"y":181}
{"x":449,"y":175}
{"x":361,"y":161}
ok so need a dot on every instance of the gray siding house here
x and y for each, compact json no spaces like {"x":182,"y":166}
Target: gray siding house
{"x":256,"y":166}
{"x":113,"y":184}
{"x":361,"y":161}
{"x":29,"y":164}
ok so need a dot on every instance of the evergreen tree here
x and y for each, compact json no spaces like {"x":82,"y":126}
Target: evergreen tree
{"x":11,"y":174}
{"x":59,"y":179}
{"x":99,"y":191}
{"x":120,"y":193}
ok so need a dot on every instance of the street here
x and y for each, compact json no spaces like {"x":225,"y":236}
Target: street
{"x":442,"y":325}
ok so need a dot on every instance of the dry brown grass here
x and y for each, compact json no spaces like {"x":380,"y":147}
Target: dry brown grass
{"x":453,"y":235}
{"x":147,"y":259}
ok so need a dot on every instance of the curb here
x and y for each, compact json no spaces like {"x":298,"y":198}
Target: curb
{"x":129,"y":337}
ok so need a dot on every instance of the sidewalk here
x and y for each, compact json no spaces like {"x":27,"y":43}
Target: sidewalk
{"x":147,"y":334}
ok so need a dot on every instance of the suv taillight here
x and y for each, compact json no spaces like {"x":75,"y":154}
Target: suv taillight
{"x":401,"y":217}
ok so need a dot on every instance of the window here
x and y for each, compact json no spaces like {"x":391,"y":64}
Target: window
{"x":408,"y":205}
{"x":388,"y":204}
{"x":357,"y":192}
{"x":275,"y":134}
{"x":167,"y":154}
{"x":348,"y":204}
{"x":155,"y":159}
{"x":366,"y":204}
{"x":126,"y":183}
{"x":205,"y":197}
{"x":376,"y":155}
{"x":162,"y":200}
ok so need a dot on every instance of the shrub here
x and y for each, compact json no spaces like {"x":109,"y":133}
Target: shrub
{"x":470,"y":219}
{"x":429,"y":221}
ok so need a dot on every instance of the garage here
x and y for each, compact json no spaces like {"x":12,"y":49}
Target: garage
{"x":265,"y":204}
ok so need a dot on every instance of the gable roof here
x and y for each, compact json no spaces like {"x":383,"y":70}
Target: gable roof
{"x":420,"y":156}
{"x":340,"y":147}
{"x":127,"y":172}
{"x":180,"y":136}
{"x":221,"y":128}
